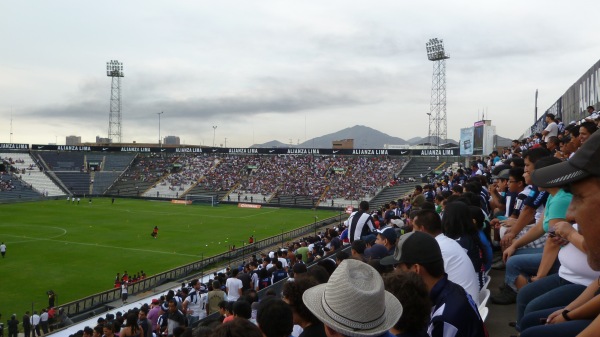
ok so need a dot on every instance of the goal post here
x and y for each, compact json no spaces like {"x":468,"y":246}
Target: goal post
{"x":201,"y":199}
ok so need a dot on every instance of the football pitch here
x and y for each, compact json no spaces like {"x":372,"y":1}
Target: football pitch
{"x":76,"y":250}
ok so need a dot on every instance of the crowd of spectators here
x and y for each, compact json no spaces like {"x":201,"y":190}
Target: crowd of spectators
{"x":315,"y":177}
{"x":6,"y":183}
{"x":423,"y":242}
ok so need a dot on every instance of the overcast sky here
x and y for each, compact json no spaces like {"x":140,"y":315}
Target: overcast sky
{"x":282,"y":70}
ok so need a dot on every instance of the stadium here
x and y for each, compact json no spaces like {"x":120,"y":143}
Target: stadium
{"x":362,"y":232}
{"x":75,"y":215}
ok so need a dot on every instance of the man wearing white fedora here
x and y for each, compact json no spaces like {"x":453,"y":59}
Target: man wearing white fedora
{"x":354,"y":303}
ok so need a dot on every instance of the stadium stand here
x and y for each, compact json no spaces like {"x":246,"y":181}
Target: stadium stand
{"x":31,"y":173}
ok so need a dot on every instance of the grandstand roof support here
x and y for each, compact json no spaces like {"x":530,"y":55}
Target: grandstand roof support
{"x":114,"y":70}
{"x":437,"y":111}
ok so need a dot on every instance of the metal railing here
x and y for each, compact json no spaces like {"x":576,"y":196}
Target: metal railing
{"x":100,"y":299}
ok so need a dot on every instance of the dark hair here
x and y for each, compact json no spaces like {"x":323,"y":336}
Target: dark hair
{"x":341,"y":256}
{"x":359,"y":246}
{"x":319,"y":273}
{"x":551,"y":116}
{"x":470,"y":198}
{"x":456,"y":221}
{"x":293,"y":291}
{"x":536,"y":154}
{"x":457,"y":188}
{"x":518,"y":162}
{"x":473,"y":186}
{"x":589,"y":126}
{"x":517,"y":173}
{"x":364,"y":205}
{"x":430,"y":220}
{"x":411,"y":291}
{"x":547,"y":161}
{"x":241,"y":308}
{"x":428,"y":205}
{"x":274,"y":318}
{"x":238,"y":327}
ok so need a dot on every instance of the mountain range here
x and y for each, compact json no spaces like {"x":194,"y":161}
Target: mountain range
{"x":364,"y":138}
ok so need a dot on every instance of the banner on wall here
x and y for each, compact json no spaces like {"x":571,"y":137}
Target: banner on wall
{"x":466,"y":141}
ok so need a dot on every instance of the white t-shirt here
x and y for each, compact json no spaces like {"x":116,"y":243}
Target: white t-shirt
{"x":552,"y":129}
{"x":574,"y":267}
{"x":458,"y":266}
{"x":283,"y":261}
{"x":233,"y":286}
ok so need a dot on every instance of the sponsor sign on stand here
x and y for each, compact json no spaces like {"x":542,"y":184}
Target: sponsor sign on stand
{"x":251,"y":151}
{"x":243,"y":205}
{"x":181,"y":202}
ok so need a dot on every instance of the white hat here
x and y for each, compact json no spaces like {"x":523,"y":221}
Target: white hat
{"x":354,"y":301}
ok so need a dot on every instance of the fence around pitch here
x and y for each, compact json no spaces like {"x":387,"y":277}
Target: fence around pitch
{"x":94,"y":301}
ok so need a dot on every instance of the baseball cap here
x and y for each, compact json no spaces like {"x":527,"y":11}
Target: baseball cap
{"x":583,"y":164}
{"x":389,"y":233}
{"x":376,"y":252}
{"x":336,"y":243}
{"x":502,"y":175}
{"x":155,"y":301}
{"x":397,"y":222}
{"x":414,"y":247}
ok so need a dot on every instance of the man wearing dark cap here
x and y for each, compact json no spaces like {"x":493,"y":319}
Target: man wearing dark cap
{"x":453,"y":313}
{"x":387,"y":237}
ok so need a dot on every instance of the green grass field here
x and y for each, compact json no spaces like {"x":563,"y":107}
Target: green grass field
{"x":76,"y":250}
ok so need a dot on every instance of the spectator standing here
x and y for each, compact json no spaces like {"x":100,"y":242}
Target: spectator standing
{"x":26,"y":324}
{"x":194,"y":305}
{"x":552,"y":129}
{"x":175,"y":318}
{"x":2,"y":249}
{"x":13,"y":326}
{"x":233,"y":286}
{"x":360,"y":224}
{"x":44,"y":321}
{"x":215,"y":296}
{"x":35,"y":324}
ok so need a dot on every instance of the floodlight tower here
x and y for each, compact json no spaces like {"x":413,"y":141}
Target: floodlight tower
{"x":437,"y":110}
{"x":114,"y":69}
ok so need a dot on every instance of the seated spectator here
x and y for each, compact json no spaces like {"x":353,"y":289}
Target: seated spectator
{"x":335,"y":302}
{"x":237,"y":328}
{"x":274,"y":318}
{"x":454,"y":313}
{"x":292,"y":295}
{"x":411,"y":291}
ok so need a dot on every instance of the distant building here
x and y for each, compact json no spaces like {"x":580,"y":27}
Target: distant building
{"x":171,"y":140}
{"x":73,"y":140}
{"x":343,"y":144}
{"x":102,"y":140}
